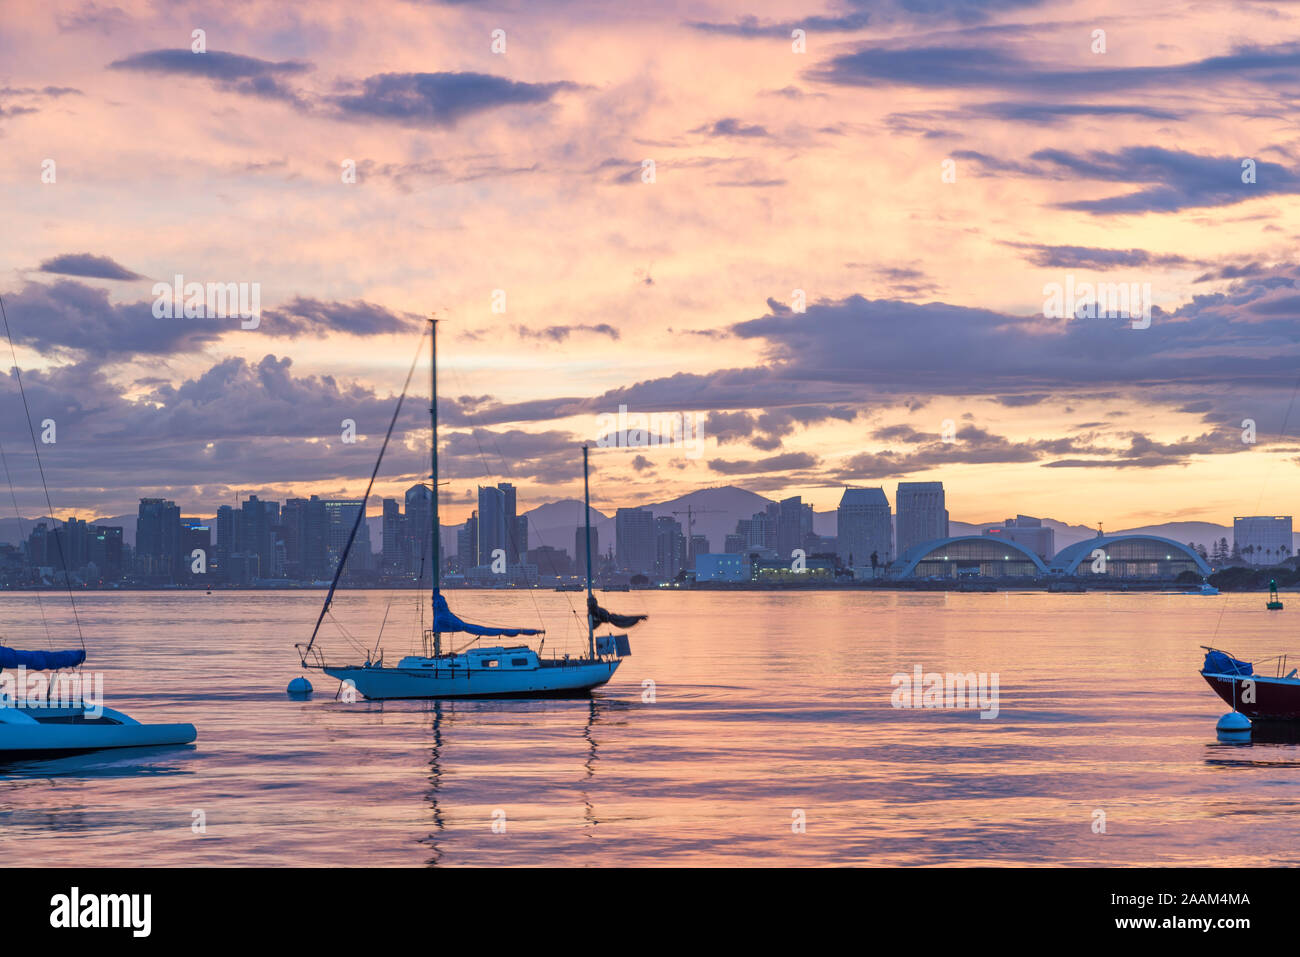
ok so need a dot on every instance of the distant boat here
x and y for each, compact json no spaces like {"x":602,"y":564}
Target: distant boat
{"x":52,"y":727}
{"x":495,"y":672}
{"x":1205,"y":588}
{"x":1274,"y":698}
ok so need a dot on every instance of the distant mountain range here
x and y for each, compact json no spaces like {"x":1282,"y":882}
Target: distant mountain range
{"x":715,"y":512}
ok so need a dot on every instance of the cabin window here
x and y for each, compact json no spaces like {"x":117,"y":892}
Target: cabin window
{"x":490,"y":664}
{"x":519,"y":662}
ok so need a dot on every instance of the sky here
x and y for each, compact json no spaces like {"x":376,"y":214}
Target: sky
{"x":828,"y":234}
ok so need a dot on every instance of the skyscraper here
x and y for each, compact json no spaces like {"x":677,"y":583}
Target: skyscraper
{"x":392,"y":530}
{"x":634,"y":540}
{"x":158,"y":539}
{"x":498,"y":525}
{"x":670,"y":547}
{"x":922,"y":515}
{"x":792,"y":526}
{"x":418,"y":525}
{"x":467,"y":543}
{"x":255,"y":534}
{"x":864,"y":527}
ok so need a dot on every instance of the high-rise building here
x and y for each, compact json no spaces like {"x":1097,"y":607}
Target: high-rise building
{"x":670,"y":547}
{"x":106,"y":551}
{"x":225,"y":544}
{"x":634,"y":540}
{"x":340,"y":518}
{"x":580,"y":549}
{"x":1029,"y":532}
{"x":313,"y":540}
{"x":467,"y":543}
{"x":1262,"y":539}
{"x":393,"y":528}
{"x":863,"y":527}
{"x":158,"y":539}
{"x":255,"y":534}
{"x":698,"y":545}
{"x":922,"y":515}
{"x":793,"y":522}
{"x":418,"y":530}
{"x":520,"y":543}
{"x":289,"y":533}
{"x":498,"y":525}
{"x":196,"y":534}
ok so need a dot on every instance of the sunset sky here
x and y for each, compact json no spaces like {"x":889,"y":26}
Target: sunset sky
{"x":774,"y":171}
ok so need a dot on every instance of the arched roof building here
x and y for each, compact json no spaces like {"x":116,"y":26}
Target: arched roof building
{"x":1128,"y":556}
{"x":969,"y":556}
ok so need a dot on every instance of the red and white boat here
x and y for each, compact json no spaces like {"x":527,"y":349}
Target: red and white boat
{"x":1258,"y":696}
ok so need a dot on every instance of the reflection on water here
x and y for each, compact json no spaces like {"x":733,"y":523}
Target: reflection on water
{"x":764,"y":705}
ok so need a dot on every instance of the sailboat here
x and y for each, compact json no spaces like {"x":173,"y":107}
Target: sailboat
{"x":501,"y":671}
{"x":43,"y":712}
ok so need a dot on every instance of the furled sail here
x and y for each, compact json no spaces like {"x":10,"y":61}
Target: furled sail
{"x":40,"y":660}
{"x":444,"y":620}
{"x":600,"y":616}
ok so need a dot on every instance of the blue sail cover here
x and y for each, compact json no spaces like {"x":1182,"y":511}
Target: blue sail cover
{"x":40,"y":660}
{"x":444,"y":620}
{"x":1218,"y":663}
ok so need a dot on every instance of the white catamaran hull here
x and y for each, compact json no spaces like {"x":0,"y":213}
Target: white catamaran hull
{"x":31,"y":732}
{"x":559,"y":678}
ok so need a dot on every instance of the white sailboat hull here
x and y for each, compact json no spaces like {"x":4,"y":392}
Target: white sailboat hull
{"x":32,"y":732}
{"x":551,"y":679}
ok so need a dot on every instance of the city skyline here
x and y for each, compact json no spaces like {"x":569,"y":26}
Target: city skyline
{"x":777,"y":275}
{"x":302,"y":540}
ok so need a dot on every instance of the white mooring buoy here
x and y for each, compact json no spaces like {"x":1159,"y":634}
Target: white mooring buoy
{"x":301,"y":687}
{"x":1233,"y":726}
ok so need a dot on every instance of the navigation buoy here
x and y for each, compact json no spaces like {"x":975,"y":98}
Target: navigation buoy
{"x":301,"y":687}
{"x":1233,"y":726}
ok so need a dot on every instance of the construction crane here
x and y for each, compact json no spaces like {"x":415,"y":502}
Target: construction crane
{"x":690,"y":514}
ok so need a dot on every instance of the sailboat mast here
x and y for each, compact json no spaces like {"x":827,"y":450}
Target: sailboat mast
{"x":433,"y":479}
{"x":586,"y":514}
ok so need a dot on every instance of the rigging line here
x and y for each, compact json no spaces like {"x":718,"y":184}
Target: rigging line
{"x":361,"y":512}
{"x":23,"y":533}
{"x":58,"y":539}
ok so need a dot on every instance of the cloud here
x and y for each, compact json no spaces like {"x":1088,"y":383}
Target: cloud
{"x":236,"y":427}
{"x":1173,"y":179}
{"x":985,"y":67}
{"x":730,"y":126}
{"x":439,"y":100}
{"x":74,"y":319}
{"x":229,"y":71}
{"x":1092,"y":257}
{"x":561,"y":333}
{"x":304,"y":316}
{"x":88,"y":266}
{"x":787,"y":462}
{"x":92,"y":16}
